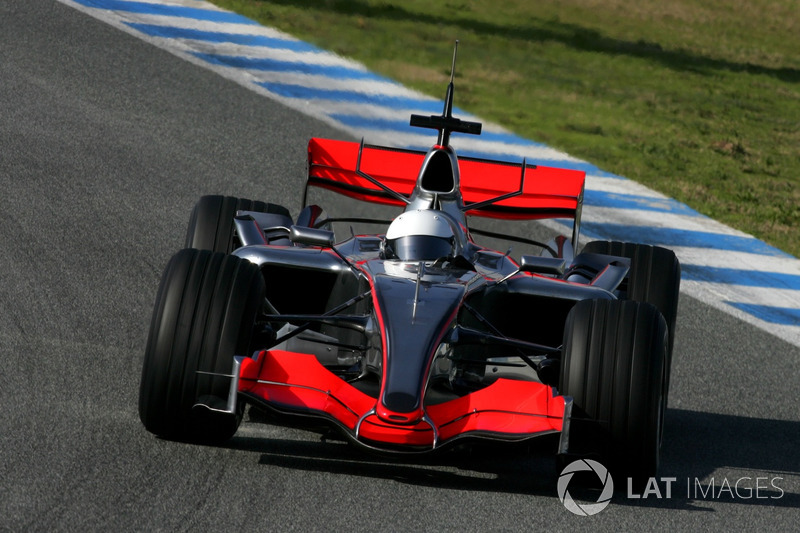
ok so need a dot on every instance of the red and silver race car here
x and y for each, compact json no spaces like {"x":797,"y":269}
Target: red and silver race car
{"x":417,"y":337}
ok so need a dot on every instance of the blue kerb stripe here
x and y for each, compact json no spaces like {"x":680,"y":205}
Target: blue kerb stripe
{"x":403,"y":126}
{"x":310,"y":93}
{"x":168,"y":11}
{"x":785,"y":316}
{"x":263,"y":41}
{"x":670,"y":237}
{"x":274,"y":65}
{"x":632,"y":201}
{"x":416,"y":105}
{"x":420,"y":106}
{"x":748,"y":278}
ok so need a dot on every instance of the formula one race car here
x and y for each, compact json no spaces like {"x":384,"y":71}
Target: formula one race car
{"x":418,"y":337}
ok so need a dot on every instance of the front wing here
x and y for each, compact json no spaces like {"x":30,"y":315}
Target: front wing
{"x":506,"y":410}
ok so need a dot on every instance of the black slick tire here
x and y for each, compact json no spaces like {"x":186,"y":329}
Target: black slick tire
{"x":613,"y":367}
{"x":655,"y":278}
{"x":211,"y":224}
{"x":206,"y":307}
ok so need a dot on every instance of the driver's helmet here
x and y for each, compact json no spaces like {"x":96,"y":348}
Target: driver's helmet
{"x":419,"y":235}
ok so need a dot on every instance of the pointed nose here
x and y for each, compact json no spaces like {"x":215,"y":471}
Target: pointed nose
{"x":396,"y":411}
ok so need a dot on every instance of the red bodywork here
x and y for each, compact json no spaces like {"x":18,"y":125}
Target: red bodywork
{"x":507,"y":409}
{"x":548,"y":193}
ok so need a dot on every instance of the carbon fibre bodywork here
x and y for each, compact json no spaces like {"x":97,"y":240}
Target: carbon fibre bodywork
{"x":419,"y":322}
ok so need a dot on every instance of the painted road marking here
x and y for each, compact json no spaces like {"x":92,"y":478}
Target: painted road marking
{"x":723,"y":267}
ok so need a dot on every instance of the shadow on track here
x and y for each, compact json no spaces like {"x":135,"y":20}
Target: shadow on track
{"x":572,"y":35}
{"x":706,"y":453}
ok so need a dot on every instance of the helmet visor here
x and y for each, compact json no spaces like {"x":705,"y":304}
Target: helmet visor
{"x":421,"y":247}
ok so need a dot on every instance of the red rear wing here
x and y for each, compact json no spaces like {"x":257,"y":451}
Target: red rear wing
{"x":548,"y":192}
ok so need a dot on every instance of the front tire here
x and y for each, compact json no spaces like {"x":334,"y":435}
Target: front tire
{"x":613,"y":367}
{"x":204,"y":314}
{"x":655,"y":278}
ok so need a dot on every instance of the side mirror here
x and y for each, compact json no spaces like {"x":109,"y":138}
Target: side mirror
{"x":312,"y":236}
{"x":542,"y":265}
{"x":319,"y":237}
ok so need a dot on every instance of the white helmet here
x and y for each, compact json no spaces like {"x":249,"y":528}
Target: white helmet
{"x":420,"y":235}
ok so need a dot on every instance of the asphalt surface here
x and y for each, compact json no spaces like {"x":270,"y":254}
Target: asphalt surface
{"x":106,"y":142}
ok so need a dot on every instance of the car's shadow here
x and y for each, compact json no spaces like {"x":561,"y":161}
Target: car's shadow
{"x":705,"y":453}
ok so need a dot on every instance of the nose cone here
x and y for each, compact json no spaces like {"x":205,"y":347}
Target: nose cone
{"x":410,"y":340}
{"x":399,"y":408}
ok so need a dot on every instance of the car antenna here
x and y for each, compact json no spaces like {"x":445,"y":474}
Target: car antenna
{"x":444,"y":135}
{"x":446,"y":123}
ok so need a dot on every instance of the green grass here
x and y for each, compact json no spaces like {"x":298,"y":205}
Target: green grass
{"x":699,"y":99}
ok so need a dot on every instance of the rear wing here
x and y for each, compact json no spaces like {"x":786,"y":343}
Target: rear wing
{"x":548,"y":192}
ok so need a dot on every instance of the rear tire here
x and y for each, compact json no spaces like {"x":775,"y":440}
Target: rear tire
{"x":613,"y":367}
{"x":211,"y":225}
{"x":204,"y":314}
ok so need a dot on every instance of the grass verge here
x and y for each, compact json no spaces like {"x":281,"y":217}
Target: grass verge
{"x":699,"y":99}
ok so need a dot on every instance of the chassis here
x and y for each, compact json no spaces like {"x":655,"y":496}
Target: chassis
{"x":412,"y":356}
